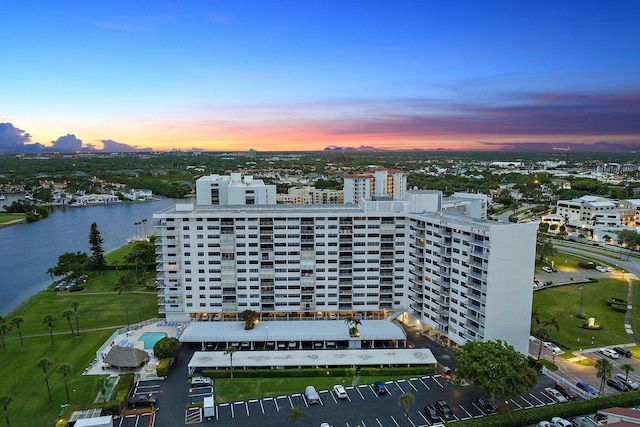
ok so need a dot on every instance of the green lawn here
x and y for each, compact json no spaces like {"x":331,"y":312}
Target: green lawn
{"x":251,"y":388}
{"x":7,"y":217}
{"x":100,"y":307}
{"x":563,"y":303}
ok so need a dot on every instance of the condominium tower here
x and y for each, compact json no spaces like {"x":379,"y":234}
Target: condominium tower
{"x":456,"y":276}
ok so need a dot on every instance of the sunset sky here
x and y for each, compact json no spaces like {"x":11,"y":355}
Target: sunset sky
{"x":305,"y":75}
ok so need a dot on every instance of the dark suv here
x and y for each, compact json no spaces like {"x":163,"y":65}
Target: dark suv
{"x":141,"y":400}
{"x":444,"y":410}
{"x":622,"y":351}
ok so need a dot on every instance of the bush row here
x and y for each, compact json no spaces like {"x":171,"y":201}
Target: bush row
{"x":119,"y":396}
{"x":565,"y":410}
{"x":163,"y":366}
{"x":317,"y":372}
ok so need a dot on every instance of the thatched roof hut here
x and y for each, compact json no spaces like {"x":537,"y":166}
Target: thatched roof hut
{"x":122,"y":357}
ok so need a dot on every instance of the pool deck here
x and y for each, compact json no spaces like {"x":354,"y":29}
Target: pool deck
{"x":131,"y":339}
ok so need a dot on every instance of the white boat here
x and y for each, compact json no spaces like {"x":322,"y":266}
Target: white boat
{"x":2,"y":197}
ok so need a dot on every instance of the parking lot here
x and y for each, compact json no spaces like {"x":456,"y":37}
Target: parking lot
{"x":365,"y":407}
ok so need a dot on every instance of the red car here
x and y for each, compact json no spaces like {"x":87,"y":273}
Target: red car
{"x":566,"y":391}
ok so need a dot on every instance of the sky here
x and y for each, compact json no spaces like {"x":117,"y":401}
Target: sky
{"x":310,"y":75}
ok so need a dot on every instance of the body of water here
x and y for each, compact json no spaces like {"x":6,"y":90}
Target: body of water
{"x":27,"y":251}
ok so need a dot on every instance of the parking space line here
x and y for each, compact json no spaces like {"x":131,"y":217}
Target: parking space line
{"x":396,"y":423}
{"x":531,"y":405}
{"x":541,"y":402}
{"x":425,"y":384}
{"x":423,"y":417}
{"x":291,"y":402}
{"x":261,"y":407}
{"x":358,"y":390}
{"x":411,"y":384}
{"x":275,"y":401}
{"x":396,"y":382}
{"x":233,"y":415}
{"x":218,"y":411}
{"x":246,"y":407}
{"x":517,"y":404}
{"x":436,"y":381}
{"x":469,"y":416}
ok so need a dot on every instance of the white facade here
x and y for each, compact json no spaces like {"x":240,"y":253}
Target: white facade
{"x":234,"y":190}
{"x":310,"y":195}
{"x":465,"y":278}
{"x":592,"y":209}
{"x":377,"y":183}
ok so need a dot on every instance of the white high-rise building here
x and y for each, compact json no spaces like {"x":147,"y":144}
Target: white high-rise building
{"x":458,"y":277}
{"x":234,"y":190}
{"x":376,"y":183}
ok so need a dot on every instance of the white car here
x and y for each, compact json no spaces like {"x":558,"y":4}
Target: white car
{"x":340,"y":392}
{"x":561,"y":422}
{"x":547,"y":269}
{"x":609,"y":269}
{"x":601,"y":269}
{"x":610,"y":353}
{"x":555,"y":395}
{"x":551,"y":346}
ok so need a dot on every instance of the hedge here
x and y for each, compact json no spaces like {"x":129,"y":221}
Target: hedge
{"x":317,"y":372}
{"x":565,"y":410}
{"x":163,"y":366}
{"x":116,"y":404}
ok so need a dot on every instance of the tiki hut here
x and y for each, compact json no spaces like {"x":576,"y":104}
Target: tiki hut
{"x":125,"y":357}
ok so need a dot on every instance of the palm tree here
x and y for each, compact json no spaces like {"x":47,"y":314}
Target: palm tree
{"x":16,"y":321}
{"x":603,"y":371}
{"x":45,"y":364}
{"x":65,"y":369}
{"x":52,"y":273}
{"x":101,"y":387}
{"x":230,"y":350}
{"x":75,"y":305}
{"x":67,"y":314}
{"x":535,"y":317}
{"x":50,"y":320}
{"x":144,"y":222}
{"x":553,"y":322}
{"x":606,"y":239}
{"x":405,"y":401}
{"x":4,"y":330}
{"x":5,"y":401}
{"x":353,"y":324}
{"x":295,"y":415}
{"x":542,"y":334}
{"x":124,"y":285}
{"x":249,"y":317}
{"x":626,"y":368}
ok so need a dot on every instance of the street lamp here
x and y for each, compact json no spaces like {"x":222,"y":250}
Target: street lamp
{"x":579,"y":352}
{"x":580,"y":313}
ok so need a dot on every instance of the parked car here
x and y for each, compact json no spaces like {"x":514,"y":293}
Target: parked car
{"x":546,"y":424}
{"x":444,"y":410}
{"x":555,"y":395}
{"x":586,"y":387}
{"x":311,"y":394}
{"x":200,"y":382}
{"x":609,"y":269}
{"x":547,"y":269}
{"x":623,"y":351}
{"x":431,"y":413}
{"x":616,"y":383}
{"x":548,"y":283}
{"x":630,"y":384}
{"x":601,"y":269}
{"x":379,"y":388}
{"x":551,"y":346}
{"x":486,"y":405}
{"x":340,"y":392}
{"x":566,"y":391}
{"x":561,"y":422}
{"x":610,"y":353}
{"x":142,"y":400}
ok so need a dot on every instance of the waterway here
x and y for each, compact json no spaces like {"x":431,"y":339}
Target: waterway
{"x":27,"y":251}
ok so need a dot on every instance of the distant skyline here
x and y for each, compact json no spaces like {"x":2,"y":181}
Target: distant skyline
{"x":304,"y":75}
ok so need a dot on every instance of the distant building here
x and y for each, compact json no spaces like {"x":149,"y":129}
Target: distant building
{"x":310,"y":195}
{"x":137,"y":194}
{"x":375,"y":183}
{"x":94,"y":199}
{"x":595,"y":210}
{"x":234,"y":189}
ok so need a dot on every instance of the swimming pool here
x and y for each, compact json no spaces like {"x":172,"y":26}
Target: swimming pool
{"x":150,"y":338}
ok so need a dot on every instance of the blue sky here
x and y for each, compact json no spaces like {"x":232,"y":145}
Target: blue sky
{"x":283,"y":75}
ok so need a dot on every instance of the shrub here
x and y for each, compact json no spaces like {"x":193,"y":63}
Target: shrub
{"x":163,"y":366}
{"x":167,"y":347}
{"x":113,"y":407}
